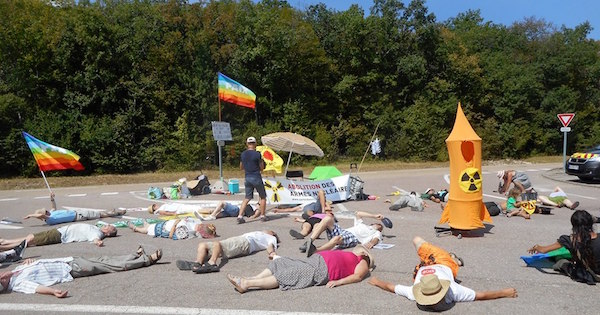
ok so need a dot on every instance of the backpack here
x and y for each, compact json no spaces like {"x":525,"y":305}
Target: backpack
{"x":493,"y":208}
{"x":154,"y":193}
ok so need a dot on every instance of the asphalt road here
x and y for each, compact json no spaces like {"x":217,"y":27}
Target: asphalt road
{"x":491,"y":261}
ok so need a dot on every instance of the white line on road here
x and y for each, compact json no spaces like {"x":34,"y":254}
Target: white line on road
{"x":447,"y":178}
{"x":42,"y":197}
{"x":492,"y":196}
{"x":77,"y":195}
{"x":9,"y":199}
{"x":131,"y":309}
{"x":9,"y":227}
{"x":584,"y":197}
{"x":109,"y":193}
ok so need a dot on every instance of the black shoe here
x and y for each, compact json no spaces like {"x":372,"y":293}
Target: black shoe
{"x":575,"y":205}
{"x":184,"y":264}
{"x":311,"y":248}
{"x":19,"y":250}
{"x":207,"y":268}
{"x":297,"y":235}
{"x":304,"y":247}
{"x":241,"y":220}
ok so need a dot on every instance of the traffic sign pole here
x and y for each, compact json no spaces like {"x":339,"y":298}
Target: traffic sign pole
{"x":565,"y":150}
{"x":565,"y":120}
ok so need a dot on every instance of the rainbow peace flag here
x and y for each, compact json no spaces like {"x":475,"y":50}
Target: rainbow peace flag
{"x":233,"y":92}
{"x":50,"y":157}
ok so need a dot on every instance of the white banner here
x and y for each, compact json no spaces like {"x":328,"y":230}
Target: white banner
{"x":286,"y":191}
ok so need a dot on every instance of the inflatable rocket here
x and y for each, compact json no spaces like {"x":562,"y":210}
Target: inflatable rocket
{"x":465,"y":209}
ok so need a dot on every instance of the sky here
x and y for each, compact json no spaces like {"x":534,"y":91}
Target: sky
{"x":569,"y":13}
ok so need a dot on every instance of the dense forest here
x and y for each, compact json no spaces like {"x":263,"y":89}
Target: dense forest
{"x":131,"y":86}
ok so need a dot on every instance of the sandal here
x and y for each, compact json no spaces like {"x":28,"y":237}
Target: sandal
{"x":156,"y":256}
{"x":457,"y":259}
{"x":207,"y":268}
{"x":140,"y":251}
{"x":237,"y":283}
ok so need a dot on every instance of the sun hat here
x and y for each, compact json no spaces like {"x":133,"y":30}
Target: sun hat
{"x":387,"y":223}
{"x":360,"y":249}
{"x":500,"y":174}
{"x":40,"y":211}
{"x":430,"y":290}
{"x":151,"y":209}
{"x":251,"y":140}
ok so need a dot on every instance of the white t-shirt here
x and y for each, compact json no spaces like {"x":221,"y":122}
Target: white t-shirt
{"x":456,"y":293}
{"x":260,"y":241}
{"x":178,"y":208}
{"x":79,"y":232}
{"x":364,"y":233}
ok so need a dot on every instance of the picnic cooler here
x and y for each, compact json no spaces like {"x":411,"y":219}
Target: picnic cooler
{"x":199,"y":186}
{"x":234,"y":186}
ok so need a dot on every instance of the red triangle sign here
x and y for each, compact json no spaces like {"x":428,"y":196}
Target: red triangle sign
{"x":565,"y":119}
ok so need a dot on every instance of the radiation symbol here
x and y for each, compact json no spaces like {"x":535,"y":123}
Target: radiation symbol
{"x":277,"y":186}
{"x":529,"y":206}
{"x":470,"y":180}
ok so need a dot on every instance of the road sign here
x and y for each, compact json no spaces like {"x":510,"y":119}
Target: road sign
{"x":566,"y":118}
{"x":221,"y":130}
{"x":565,"y":129}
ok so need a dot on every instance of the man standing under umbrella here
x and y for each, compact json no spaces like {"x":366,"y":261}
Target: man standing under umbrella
{"x":252,"y":164}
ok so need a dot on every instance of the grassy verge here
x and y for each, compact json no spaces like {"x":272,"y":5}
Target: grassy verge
{"x":213,"y":174}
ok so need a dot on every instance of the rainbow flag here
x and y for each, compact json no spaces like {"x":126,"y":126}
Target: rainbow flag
{"x":50,"y":157}
{"x":233,"y":92}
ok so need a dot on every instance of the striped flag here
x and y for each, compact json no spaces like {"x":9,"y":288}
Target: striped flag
{"x":50,"y":157}
{"x":233,"y":92}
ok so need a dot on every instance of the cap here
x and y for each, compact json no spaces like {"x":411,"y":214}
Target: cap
{"x":251,"y":140}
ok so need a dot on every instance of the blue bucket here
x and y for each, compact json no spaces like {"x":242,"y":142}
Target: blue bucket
{"x":234,"y":186}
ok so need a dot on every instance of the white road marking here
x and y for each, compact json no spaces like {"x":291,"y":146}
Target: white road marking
{"x":493,"y":196}
{"x":42,"y":197}
{"x":9,"y":227}
{"x":77,"y":195}
{"x":532,"y":170}
{"x":132,"y":309}
{"x":447,"y":178}
{"x":109,"y":193}
{"x":546,"y":169}
{"x":9,"y":199}
{"x":580,"y":196}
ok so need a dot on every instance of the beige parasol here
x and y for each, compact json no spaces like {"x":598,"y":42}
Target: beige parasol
{"x":291,"y":142}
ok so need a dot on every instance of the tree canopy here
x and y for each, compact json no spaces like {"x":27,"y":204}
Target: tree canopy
{"x":132,"y":85}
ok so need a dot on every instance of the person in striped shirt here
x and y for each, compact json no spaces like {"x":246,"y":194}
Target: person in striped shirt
{"x":37,"y":276}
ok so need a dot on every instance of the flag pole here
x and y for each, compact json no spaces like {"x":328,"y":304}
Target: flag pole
{"x":46,"y":181}
{"x":367,"y":151}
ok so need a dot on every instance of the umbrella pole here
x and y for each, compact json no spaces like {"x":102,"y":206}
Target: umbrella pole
{"x":367,"y":151}
{"x":288,"y":164}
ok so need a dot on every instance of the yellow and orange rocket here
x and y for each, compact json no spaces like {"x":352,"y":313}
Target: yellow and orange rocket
{"x":465,"y":209}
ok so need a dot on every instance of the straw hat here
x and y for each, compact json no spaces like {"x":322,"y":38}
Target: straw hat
{"x":360,"y":249}
{"x":430,"y":290}
{"x":151,"y":209}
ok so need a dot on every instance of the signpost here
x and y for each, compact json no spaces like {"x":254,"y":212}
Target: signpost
{"x":221,"y":133}
{"x":565,"y":119}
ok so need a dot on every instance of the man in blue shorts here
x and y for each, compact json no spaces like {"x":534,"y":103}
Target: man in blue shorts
{"x":252,"y":164}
